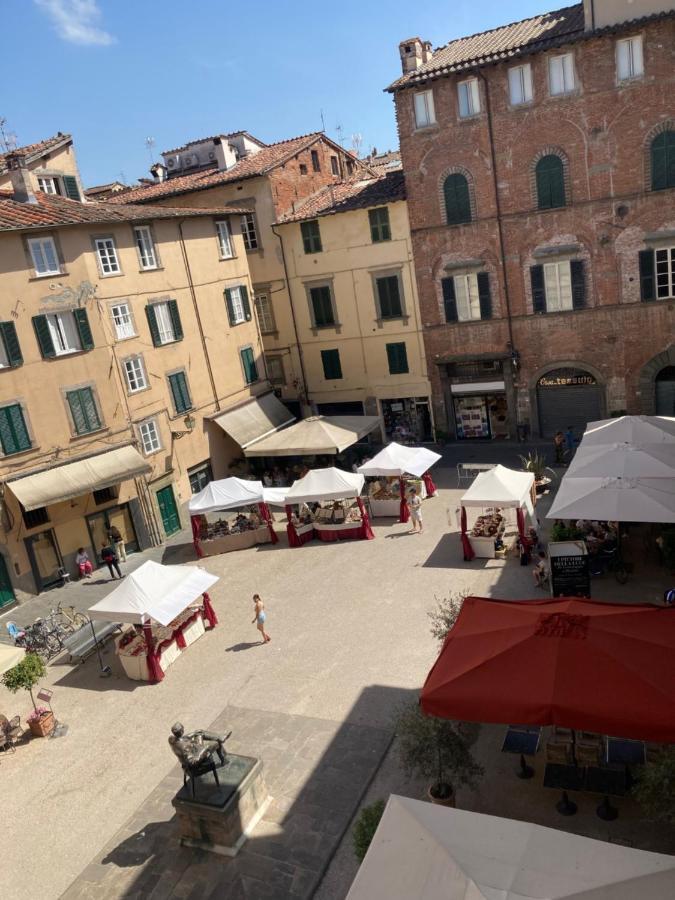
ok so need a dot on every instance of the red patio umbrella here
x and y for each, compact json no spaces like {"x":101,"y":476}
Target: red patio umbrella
{"x":576,"y":663}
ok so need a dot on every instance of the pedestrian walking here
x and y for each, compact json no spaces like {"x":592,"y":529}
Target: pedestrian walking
{"x":260,"y":617}
{"x":110,"y":559}
{"x":569,"y":440}
{"x":117,"y":542}
{"x":83,"y":563}
{"x":559,"y":446}
{"x":415,"y":507}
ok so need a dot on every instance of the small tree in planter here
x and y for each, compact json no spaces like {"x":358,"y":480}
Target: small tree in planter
{"x":365,"y":827}
{"x":437,"y":749}
{"x":655,"y":789}
{"x":445,"y":615}
{"x":25,"y":675}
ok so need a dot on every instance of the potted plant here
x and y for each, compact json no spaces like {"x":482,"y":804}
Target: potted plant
{"x":655,"y":788}
{"x":365,"y":827}
{"x":536,"y":463}
{"x":437,"y":749}
{"x":25,"y":675}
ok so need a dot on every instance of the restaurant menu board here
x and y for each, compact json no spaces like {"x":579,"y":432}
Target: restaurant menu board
{"x":570,"y":576}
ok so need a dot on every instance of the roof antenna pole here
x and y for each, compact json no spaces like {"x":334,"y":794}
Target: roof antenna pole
{"x":150,"y":143}
{"x":323,"y":123}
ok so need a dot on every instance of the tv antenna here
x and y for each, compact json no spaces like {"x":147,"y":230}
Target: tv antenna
{"x":150,"y":143}
{"x":323,"y":123}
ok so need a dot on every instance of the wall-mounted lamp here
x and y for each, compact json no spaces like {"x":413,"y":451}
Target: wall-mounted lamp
{"x":189,"y":421}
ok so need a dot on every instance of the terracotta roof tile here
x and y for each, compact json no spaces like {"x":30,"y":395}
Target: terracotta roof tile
{"x":350,"y":195}
{"x":249,"y":167}
{"x":33,"y":150}
{"x":52,"y":211}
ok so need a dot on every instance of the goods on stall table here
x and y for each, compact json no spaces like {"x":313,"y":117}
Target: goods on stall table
{"x":384,"y":494}
{"x":490,"y":525}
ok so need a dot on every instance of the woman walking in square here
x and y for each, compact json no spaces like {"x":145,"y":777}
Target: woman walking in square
{"x":260,"y":617}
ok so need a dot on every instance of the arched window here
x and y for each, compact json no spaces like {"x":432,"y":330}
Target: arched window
{"x":550,"y":182}
{"x":663,"y":161}
{"x":457,"y":199}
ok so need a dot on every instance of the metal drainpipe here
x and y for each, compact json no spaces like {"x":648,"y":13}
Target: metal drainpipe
{"x":295,"y":324}
{"x":193,"y":294}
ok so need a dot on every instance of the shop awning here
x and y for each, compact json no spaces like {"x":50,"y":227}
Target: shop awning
{"x":317,"y":435}
{"x":255,"y":420}
{"x":62,"y":482}
{"x":602,"y":667}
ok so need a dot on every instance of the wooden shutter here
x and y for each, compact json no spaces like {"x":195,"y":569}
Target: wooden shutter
{"x":70,"y":187}
{"x":389,"y":297}
{"x":245,"y":302}
{"x":228,"y":303}
{"x":538,"y":289}
{"x":332,"y":368}
{"x":84,"y":411}
{"x":13,"y":432}
{"x":180,"y":392}
{"x":11,"y":342}
{"x":663,"y":161}
{"x":449,"y":299}
{"x":397,"y":358}
{"x":550,"y":182}
{"x":578,"y":283}
{"x":322,"y":306}
{"x":647,"y":275}
{"x":152,"y":323}
{"x":484,"y":297}
{"x":175,"y":320}
{"x":44,"y":337}
{"x":457,"y":200}
{"x":250,"y":368}
{"x":83,"y":329}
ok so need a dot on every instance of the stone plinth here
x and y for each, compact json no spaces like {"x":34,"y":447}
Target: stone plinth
{"x":220,"y":817}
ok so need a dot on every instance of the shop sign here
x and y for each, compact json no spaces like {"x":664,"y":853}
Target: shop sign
{"x":562,"y":378}
{"x":396,"y":407}
{"x":570,"y":576}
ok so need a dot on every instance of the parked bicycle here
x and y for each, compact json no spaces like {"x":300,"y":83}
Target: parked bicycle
{"x":69,"y":617}
{"x":610,"y":561}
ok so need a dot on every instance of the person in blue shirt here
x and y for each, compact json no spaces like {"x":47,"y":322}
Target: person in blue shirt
{"x":569,"y":439}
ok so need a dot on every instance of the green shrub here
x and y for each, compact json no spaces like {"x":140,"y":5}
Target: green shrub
{"x":562,"y":532}
{"x":655,"y":789}
{"x":365,"y":827}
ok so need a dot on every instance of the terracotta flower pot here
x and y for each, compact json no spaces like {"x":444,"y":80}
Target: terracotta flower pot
{"x":441,"y":801}
{"x":43,"y":726}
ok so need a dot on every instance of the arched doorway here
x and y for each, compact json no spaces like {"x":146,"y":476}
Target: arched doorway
{"x":567,"y":396}
{"x":665,"y":392}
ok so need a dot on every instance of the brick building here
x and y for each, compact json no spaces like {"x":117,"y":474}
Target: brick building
{"x":539,"y":161}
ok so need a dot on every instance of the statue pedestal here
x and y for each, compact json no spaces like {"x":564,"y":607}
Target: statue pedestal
{"x":220,"y":818}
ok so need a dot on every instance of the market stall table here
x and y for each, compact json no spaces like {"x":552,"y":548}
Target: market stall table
{"x":246,"y":530}
{"x":160,"y":601}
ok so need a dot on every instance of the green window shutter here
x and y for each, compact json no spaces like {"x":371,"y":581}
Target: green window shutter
{"x":647,"y":275}
{"x":44,"y":337}
{"x":175,"y":320}
{"x":70,"y":187}
{"x":538,"y":289}
{"x":380,"y":229}
{"x":250,"y":367}
{"x":245,"y":302}
{"x":457,"y":199}
{"x":180,"y":392}
{"x":14,"y":435}
{"x":389,"y":297}
{"x":83,"y":329}
{"x":228,"y":303}
{"x":311,"y":236}
{"x":152,"y":323}
{"x":11,"y":342}
{"x":578,"y":283}
{"x":330,"y":360}
{"x":484,"y":297}
{"x":397,"y":357}
{"x":663,"y":161}
{"x":550,"y":182}
{"x":83,"y":410}
{"x":449,"y":299}
{"x":322,"y":306}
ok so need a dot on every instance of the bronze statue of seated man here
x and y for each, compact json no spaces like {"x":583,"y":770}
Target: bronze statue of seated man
{"x":197,"y":748}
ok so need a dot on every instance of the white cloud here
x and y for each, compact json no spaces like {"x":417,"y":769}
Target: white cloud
{"x":76,"y":21}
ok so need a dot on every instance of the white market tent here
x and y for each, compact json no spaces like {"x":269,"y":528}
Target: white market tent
{"x":502,"y":487}
{"x":325,"y":484}
{"x":634,"y":430}
{"x":315,"y":436}
{"x":228,"y":493}
{"x":395,"y":460}
{"x":430,"y":852}
{"x":615,"y":499}
{"x":154,"y":592}
{"x":9,"y":657}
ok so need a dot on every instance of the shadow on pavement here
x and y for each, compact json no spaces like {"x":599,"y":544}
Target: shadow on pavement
{"x":235,"y":648}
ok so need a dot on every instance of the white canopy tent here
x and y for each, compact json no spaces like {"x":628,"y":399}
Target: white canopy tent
{"x":615,"y":499}
{"x":317,"y":435}
{"x":624,"y":460}
{"x":430,"y":852}
{"x":503,"y":488}
{"x":325,"y":484}
{"x":636,"y":430}
{"x":153,"y":591}
{"x":395,"y":460}
{"x":228,"y":493}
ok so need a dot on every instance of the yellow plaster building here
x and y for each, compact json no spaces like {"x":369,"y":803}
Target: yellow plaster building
{"x":126,"y":333}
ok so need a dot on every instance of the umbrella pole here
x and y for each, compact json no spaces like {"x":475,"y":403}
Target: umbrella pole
{"x":105,"y":670}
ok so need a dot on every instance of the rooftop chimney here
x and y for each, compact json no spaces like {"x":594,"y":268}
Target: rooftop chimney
{"x":414,"y":53}
{"x":18,"y":173}
{"x":159,"y":172}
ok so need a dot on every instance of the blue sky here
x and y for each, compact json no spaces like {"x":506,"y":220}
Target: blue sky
{"x":114,"y":72}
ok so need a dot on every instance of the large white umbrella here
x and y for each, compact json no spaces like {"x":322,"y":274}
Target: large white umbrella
{"x":636,"y":430}
{"x":317,"y":435}
{"x":429,"y":852}
{"x":624,"y":460}
{"x":615,"y":499}
{"x":9,"y":657}
{"x":395,"y":460}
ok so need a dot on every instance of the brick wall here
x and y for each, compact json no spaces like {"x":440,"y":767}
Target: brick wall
{"x":602,"y":132}
{"x":290,"y":183}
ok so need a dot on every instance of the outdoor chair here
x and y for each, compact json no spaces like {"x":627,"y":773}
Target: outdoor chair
{"x":588,"y":752}
{"x":562,"y":734}
{"x":10,"y":729}
{"x":202,"y":769}
{"x":559,"y":752}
